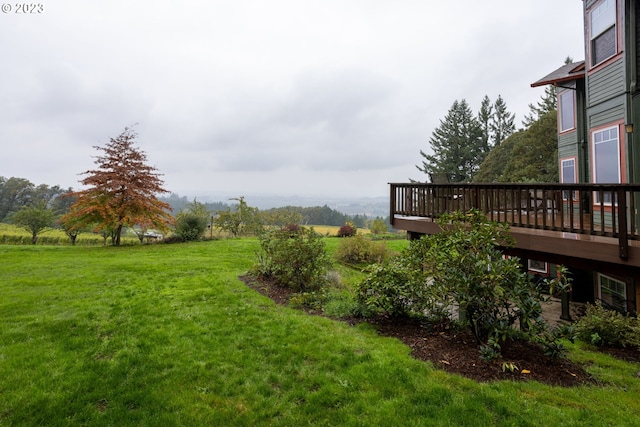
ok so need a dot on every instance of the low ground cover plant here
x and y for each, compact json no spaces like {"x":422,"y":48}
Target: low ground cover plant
{"x":608,"y":328}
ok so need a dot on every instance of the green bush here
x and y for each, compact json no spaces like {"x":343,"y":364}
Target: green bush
{"x":294,"y":257}
{"x":608,"y":328}
{"x":461,"y":269}
{"x":390,"y":289}
{"x":359,"y":249}
{"x":190,"y":226}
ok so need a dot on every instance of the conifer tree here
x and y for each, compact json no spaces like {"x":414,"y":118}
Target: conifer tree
{"x":484,"y":119}
{"x":456,"y":145}
{"x":501,"y":125}
{"x":548,"y":102}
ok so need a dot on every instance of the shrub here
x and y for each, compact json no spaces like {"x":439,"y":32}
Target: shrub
{"x":378,"y":226}
{"x":360,"y":249}
{"x":173,"y":239}
{"x":347,"y":230}
{"x":608,"y":328}
{"x":461,"y":268}
{"x":293,"y":257}
{"x":190,"y":226}
{"x":389,"y":289}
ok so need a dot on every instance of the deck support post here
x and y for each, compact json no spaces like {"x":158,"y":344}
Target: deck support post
{"x":564,"y":304}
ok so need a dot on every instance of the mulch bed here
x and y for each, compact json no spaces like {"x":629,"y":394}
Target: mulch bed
{"x":457,"y":351}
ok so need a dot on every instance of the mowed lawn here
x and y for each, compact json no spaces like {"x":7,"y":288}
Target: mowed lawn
{"x":167,"y":335}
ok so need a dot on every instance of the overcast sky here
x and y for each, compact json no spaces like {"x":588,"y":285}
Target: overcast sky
{"x":278,"y":97}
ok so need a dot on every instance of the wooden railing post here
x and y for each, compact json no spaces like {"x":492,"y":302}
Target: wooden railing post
{"x":392,"y":204}
{"x":623,"y":227}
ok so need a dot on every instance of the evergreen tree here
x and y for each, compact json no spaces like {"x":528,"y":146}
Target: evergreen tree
{"x":502,"y":125}
{"x":535,"y":157}
{"x":456,"y":145}
{"x":494,"y":164}
{"x":484,"y":119}
{"x":548,"y":102}
{"x":528,"y":155}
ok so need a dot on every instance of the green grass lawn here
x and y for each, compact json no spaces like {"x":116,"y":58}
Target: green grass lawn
{"x":167,"y":335}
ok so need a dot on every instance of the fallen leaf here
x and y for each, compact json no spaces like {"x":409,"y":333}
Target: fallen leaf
{"x":525,"y":371}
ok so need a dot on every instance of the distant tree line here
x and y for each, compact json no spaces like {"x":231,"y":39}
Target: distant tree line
{"x":38,"y":207}
{"x":323,"y":215}
{"x":16,"y":193}
{"x":178,"y":203}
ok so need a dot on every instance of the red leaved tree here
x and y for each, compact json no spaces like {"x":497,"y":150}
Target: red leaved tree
{"x":122,"y":191}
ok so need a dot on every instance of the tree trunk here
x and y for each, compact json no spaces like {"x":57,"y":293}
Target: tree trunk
{"x":118,"y":233}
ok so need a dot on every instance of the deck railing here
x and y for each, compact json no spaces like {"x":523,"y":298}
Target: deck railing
{"x":608,"y":210}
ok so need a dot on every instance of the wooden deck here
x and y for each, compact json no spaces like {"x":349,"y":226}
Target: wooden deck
{"x":579,"y":225}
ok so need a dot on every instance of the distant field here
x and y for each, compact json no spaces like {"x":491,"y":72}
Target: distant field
{"x":332,"y":230}
{"x":10,"y":234}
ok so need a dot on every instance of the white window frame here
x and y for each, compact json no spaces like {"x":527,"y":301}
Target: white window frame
{"x":594,"y":162}
{"x":600,"y":21}
{"x":607,"y":283}
{"x":535,"y":266}
{"x":566,"y":98}
{"x":563,"y":176}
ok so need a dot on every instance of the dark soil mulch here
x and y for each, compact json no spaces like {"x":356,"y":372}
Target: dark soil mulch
{"x":457,"y":352}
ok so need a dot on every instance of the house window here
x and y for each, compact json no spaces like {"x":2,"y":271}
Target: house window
{"x":602,"y":31}
{"x":606,"y":158}
{"x":567,"y":110}
{"x":613,"y":293}
{"x":569,"y":171}
{"x":538,"y":266}
{"x":568,"y":175}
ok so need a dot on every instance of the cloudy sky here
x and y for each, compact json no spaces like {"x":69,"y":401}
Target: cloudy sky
{"x":279,"y":97}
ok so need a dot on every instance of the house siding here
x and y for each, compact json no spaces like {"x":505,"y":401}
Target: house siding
{"x":590,"y":3}
{"x":567,"y":145}
{"x":606,"y":83}
{"x":610,"y":115}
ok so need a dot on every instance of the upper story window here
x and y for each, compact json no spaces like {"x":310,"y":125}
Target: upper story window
{"x":567,"y":106}
{"x":602,"y":31}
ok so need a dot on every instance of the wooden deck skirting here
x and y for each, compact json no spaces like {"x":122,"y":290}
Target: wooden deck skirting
{"x":597,"y":223}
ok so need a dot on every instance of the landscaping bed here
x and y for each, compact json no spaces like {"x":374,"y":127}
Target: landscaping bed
{"x":457,"y":352}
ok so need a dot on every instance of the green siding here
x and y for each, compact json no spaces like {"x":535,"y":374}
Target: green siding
{"x":606,"y":117}
{"x":607,"y":83}
{"x":570,"y":150}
